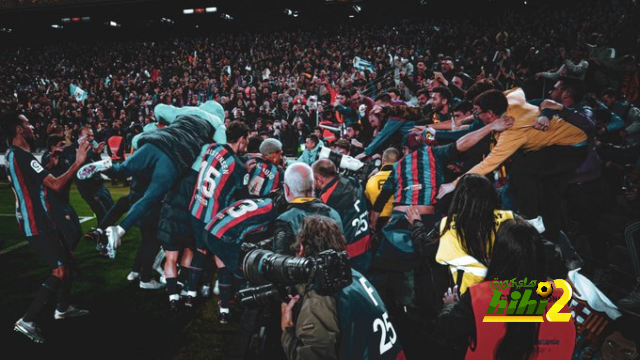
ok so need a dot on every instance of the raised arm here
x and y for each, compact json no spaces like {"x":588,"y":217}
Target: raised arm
{"x":57,"y":183}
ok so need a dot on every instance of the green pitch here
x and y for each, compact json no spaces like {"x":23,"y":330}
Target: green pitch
{"x":125,"y":321}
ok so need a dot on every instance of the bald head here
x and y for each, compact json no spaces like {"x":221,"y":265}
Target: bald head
{"x":298,"y":181}
{"x":325,"y":168}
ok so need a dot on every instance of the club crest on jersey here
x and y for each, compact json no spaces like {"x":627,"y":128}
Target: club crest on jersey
{"x":35,"y":165}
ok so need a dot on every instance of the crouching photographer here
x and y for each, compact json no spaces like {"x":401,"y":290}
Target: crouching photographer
{"x":349,"y":323}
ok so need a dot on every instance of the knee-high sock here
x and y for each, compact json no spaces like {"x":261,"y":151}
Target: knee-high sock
{"x":49,"y":286}
{"x":208,"y":271}
{"x":183,"y":275}
{"x":224,"y":282}
{"x":64,"y":294}
{"x":172,"y":288}
{"x":195,"y":273}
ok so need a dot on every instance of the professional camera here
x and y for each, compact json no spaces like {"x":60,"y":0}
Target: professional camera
{"x":329,"y":272}
{"x":348,"y":165}
{"x":247,"y":247}
{"x":262,"y":295}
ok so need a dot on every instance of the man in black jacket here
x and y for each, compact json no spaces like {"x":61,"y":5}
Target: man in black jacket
{"x":346,"y":196}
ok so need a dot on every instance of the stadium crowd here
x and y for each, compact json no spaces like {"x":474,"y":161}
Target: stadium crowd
{"x":506,"y":150}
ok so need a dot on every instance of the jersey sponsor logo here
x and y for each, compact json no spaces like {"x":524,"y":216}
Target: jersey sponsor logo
{"x":35,"y":165}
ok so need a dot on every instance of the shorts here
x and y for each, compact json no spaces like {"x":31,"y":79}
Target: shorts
{"x":227,"y":251}
{"x":199,"y":231}
{"x":68,"y":225}
{"x":174,"y":229}
{"x":52,"y":248}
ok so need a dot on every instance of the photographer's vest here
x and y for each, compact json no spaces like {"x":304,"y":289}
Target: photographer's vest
{"x":300,"y":208}
{"x":365,"y":329}
{"x":555,"y":340}
{"x":451,"y":253}
{"x":374,"y":186}
{"x":346,"y":196}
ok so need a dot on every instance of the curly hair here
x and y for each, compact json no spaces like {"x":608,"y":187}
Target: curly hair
{"x":319,"y":233}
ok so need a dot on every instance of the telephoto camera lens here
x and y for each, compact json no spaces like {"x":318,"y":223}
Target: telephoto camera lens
{"x":344,"y":162}
{"x":262,"y":266}
{"x":259,"y":296}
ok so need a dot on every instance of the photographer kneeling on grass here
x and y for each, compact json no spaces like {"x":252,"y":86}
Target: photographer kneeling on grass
{"x":351,"y":323}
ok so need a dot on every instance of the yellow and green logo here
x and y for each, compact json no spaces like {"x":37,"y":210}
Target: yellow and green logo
{"x":522,"y":305}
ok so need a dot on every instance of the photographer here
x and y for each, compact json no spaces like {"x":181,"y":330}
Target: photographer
{"x":346,"y":196}
{"x":344,"y":325}
{"x":300,"y":194}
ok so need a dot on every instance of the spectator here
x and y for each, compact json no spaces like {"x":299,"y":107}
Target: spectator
{"x":562,"y":145}
{"x":312,"y":147}
{"x":518,"y":254}
{"x":468,"y":232}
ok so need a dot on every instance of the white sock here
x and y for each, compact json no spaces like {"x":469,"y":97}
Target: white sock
{"x":173,"y":297}
{"x":224,"y":310}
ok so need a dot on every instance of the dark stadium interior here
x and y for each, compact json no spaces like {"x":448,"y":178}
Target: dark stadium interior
{"x":302,"y":77}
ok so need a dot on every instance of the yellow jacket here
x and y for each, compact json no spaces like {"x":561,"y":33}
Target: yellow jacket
{"x":523,"y":135}
{"x":374,"y":185}
{"x":450,"y":253}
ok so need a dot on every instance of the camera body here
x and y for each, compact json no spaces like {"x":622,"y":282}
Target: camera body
{"x":332,"y":271}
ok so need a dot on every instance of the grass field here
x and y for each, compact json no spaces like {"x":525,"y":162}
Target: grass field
{"x":125,"y":322}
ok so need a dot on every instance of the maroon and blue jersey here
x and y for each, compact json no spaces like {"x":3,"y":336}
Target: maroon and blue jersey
{"x":416,"y":177}
{"x":265,"y":178}
{"x":222,"y":174}
{"x":228,"y":229}
{"x":243,"y":217}
{"x":26,"y":176}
